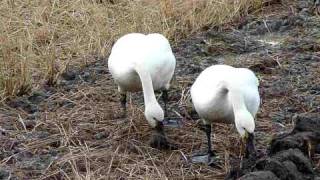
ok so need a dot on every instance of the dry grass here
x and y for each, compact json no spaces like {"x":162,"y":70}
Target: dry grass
{"x":39,"y":38}
{"x":88,"y":141}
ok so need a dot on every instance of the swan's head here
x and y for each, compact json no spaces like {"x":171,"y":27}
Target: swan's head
{"x":154,"y":114}
{"x":244,"y":123}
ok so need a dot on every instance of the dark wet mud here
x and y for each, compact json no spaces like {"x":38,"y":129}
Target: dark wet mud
{"x":288,"y":156}
{"x":281,"y":45}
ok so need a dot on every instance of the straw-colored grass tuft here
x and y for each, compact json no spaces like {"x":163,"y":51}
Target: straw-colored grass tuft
{"x":39,"y":38}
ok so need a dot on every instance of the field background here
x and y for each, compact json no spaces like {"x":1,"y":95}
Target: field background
{"x":39,"y":39}
{"x":59,"y":111}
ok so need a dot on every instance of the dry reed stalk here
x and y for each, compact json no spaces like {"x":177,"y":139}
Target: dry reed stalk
{"x":39,"y":38}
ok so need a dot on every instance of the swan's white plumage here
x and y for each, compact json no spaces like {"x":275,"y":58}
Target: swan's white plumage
{"x":222,"y":93}
{"x":152,"y":52}
{"x":150,"y":56}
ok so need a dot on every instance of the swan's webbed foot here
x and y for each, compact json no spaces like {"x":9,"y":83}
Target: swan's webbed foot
{"x":174,"y":123}
{"x":159,"y":140}
{"x":208,"y":158}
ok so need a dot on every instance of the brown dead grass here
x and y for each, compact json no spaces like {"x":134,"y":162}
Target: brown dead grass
{"x":39,"y":38}
{"x":123,"y":152}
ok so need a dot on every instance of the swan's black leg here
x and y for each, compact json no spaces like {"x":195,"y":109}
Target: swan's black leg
{"x":123,"y":101}
{"x":207,"y":130}
{"x":207,"y":157}
{"x":167,"y":121}
{"x":165,"y":100}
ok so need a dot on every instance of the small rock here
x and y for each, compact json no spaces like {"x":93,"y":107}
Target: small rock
{"x":37,"y":97}
{"x":24,"y":104}
{"x":101,"y":70}
{"x":37,"y":162}
{"x":4,"y":174}
{"x":69,"y":75}
{"x":86,"y":76}
{"x":66,"y":103}
{"x":100,"y":135}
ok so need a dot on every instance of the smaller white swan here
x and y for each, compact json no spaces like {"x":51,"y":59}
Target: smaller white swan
{"x":225,"y":94}
{"x":144,"y":62}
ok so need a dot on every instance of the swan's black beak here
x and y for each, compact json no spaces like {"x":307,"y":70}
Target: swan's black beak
{"x":250,"y":147}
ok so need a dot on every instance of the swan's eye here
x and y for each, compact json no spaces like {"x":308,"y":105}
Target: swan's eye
{"x":155,"y":119}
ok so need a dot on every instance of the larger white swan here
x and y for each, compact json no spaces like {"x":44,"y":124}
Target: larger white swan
{"x":225,"y":94}
{"x":144,"y":62}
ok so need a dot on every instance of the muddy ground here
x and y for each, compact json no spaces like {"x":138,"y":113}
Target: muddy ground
{"x":73,"y":130}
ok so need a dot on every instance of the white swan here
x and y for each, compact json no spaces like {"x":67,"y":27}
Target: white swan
{"x":225,"y":94}
{"x":144,"y":62}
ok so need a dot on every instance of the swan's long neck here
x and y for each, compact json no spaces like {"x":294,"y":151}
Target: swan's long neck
{"x":242,"y":117}
{"x":237,"y":99}
{"x":147,"y":86}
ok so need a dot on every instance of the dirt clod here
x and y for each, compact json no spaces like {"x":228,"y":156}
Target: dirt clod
{"x":160,"y":141}
{"x":305,"y":135}
{"x":288,"y":156}
{"x":68,"y":75}
{"x":260,"y":175}
{"x":24,"y":104}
